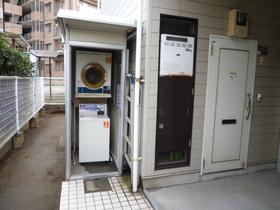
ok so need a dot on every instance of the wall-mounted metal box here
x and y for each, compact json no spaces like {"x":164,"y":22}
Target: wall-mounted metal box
{"x":238,"y":23}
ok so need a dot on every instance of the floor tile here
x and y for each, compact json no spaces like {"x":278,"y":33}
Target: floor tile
{"x":99,"y":207}
{"x":90,"y":203}
{"x":106,"y":201}
{"x":98,"y":203}
{"x":124,"y":203}
{"x":83,"y":204}
{"x":135,"y":207}
{"x":97,"y":198}
{"x":120,"y":197}
{"x":73,"y":206}
{"x":63,"y":207}
{"x":108,"y":206}
{"x":116,"y":205}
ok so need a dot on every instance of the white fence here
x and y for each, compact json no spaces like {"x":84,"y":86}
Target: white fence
{"x":54,"y":88}
{"x":20,"y":100}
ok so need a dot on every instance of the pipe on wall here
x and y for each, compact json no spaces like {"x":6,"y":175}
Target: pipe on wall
{"x":135,"y":158}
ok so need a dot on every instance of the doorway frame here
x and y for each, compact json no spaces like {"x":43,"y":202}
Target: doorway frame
{"x":81,"y":23}
{"x":70,"y":115}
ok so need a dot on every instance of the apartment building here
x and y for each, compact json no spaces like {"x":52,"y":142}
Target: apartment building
{"x":32,"y":25}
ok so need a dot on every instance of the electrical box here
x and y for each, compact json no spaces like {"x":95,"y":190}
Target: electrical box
{"x":238,"y":23}
{"x":176,"y":55}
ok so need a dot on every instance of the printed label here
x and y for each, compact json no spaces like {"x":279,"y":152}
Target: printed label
{"x":106,"y":124}
{"x":108,"y":60}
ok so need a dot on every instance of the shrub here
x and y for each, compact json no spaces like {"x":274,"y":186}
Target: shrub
{"x":12,"y":62}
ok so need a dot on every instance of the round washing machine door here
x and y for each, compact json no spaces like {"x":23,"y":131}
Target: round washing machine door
{"x":93,"y":75}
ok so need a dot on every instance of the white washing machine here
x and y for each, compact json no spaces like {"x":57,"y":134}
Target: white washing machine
{"x":93,"y":73}
{"x":94,"y":133}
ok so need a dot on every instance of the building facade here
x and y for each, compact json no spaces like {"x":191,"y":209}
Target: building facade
{"x":36,"y":21}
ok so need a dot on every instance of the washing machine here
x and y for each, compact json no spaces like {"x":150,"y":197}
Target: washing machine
{"x":94,"y":133}
{"x":93,"y":73}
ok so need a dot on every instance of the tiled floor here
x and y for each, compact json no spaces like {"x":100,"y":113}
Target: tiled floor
{"x":73,"y":196}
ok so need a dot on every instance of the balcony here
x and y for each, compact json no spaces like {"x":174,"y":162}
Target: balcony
{"x":26,"y":17}
{"x":27,"y":36}
{"x":10,"y":8}
{"x":34,"y":35}
{"x":23,"y":1}
{"x":31,"y":17}
{"x":57,"y":33}
{"x":12,"y":28}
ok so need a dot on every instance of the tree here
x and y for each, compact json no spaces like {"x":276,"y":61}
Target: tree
{"x":12,"y":62}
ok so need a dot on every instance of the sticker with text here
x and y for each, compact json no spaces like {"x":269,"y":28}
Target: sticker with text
{"x":106,"y":124}
{"x":108,"y":60}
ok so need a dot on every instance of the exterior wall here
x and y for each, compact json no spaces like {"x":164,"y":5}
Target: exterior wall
{"x":97,"y":37}
{"x":119,"y":8}
{"x":213,"y":18}
{"x":14,"y":12}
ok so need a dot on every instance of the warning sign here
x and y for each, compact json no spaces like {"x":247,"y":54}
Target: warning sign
{"x":106,"y":124}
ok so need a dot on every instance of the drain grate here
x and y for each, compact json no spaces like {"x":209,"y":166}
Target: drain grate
{"x":97,"y":185}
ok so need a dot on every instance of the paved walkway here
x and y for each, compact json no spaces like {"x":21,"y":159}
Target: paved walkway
{"x":120,"y":197}
{"x":258,"y":191}
{"x":31,"y":176}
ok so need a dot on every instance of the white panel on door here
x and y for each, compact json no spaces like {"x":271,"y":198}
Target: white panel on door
{"x":231,"y":94}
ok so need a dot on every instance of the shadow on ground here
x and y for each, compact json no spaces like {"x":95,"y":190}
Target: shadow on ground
{"x":30,"y":177}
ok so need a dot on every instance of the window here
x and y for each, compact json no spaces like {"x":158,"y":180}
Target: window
{"x":7,"y":18}
{"x":37,"y":6}
{"x":37,"y":26}
{"x":47,"y":68}
{"x":56,"y":30}
{"x":48,"y":7}
{"x":48,"y":46}
{"x":59,"y":65}
{"x":48,"y":28}
{"x":41,"y":65}
{"x":59,"y":45}
{"x":37,"y":45}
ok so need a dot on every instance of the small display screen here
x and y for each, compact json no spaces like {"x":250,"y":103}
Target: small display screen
{"x":177,"y":39}
{"x":241,"y":18}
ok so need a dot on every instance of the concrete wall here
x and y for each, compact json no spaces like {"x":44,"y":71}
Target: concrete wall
{"x":17,"y":140}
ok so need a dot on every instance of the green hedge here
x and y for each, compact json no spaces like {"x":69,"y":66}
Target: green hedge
{"x":12,"y":62}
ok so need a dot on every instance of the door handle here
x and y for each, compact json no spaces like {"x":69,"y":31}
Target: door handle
{"x":248,"y":106}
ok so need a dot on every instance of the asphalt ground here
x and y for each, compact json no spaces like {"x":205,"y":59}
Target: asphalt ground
{"x":31,"y":176}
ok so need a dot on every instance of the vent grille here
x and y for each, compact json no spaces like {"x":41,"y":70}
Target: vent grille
{"x":172,"y":158}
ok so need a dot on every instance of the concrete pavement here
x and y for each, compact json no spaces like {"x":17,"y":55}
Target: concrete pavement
{"x":256,"y":191}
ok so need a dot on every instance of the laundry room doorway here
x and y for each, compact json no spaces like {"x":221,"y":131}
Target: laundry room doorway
{"x":97,"y":141}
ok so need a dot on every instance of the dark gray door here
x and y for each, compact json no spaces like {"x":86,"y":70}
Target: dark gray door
{"x":175,"y":102}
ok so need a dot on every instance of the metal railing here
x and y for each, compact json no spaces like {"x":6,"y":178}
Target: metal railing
{"x":54,"y":88}
{"x":27,"y":36}
{"x":26,"y":17}
{"x":21,"y":99}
